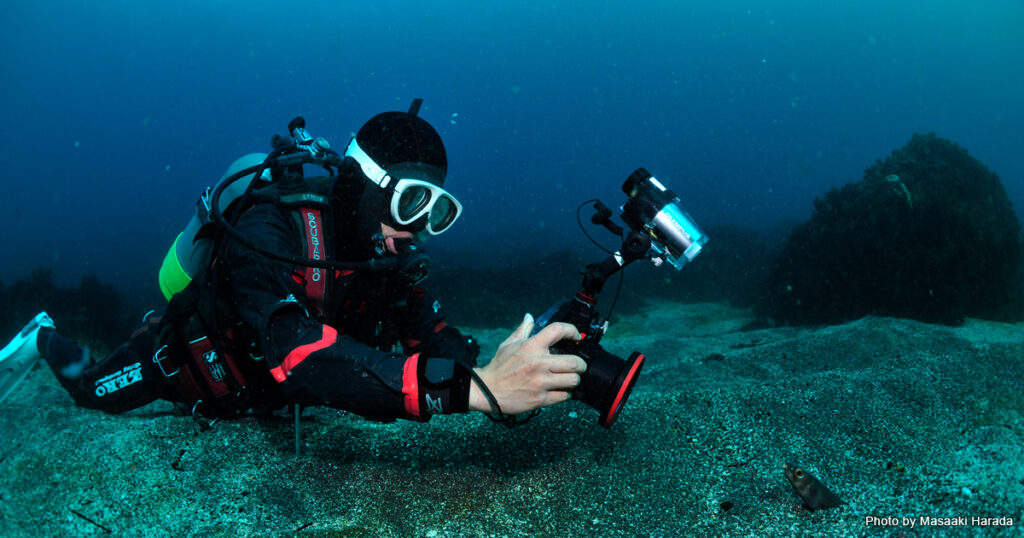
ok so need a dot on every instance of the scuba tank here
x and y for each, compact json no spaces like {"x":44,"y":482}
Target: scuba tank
{"x":190,"y":251}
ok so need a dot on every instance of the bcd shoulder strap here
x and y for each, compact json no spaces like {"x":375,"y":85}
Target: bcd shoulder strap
{"x":308,"y":202}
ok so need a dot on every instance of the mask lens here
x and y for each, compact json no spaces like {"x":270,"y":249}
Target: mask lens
{"x":442,"y":214}
{"x":412,"y":201}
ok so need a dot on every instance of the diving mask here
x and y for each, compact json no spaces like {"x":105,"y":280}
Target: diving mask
{"x":411,"y":198}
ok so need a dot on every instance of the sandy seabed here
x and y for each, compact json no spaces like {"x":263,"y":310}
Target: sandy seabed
{"x":917,"y":427}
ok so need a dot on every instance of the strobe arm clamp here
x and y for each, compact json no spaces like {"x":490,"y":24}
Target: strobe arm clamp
{"x":603,"y":217}
{"x":636,"y":246}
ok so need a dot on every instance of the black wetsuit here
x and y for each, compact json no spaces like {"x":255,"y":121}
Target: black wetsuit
{"x":337,"y":354}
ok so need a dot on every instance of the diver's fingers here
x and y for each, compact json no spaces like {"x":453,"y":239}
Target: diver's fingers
{"x":566,"y":364}
{"x":555,"y":332}
{"x":554,"y":382}
{"x":522,"y":331}
{"x":556,"y":397}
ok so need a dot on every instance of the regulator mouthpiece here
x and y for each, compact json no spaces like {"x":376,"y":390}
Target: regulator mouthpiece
{"x":656,"y":212}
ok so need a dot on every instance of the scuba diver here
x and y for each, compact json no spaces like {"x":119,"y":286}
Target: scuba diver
{"x":308,"y":298}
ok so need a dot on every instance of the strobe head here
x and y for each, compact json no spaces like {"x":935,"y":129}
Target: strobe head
{"x":657,"y":212}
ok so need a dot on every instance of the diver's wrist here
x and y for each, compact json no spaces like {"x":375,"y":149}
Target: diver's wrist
{"x":477,"y":400}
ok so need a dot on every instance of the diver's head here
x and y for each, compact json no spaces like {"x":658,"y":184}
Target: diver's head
{"x":393,"y":175}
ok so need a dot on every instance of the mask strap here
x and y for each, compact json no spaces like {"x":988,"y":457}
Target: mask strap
{"x":371,"y":169}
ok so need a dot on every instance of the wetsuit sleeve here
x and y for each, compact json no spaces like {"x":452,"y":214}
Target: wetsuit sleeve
{"x":451,"y":356}
{"x":425,"y":331}
{"x":312,"y":362}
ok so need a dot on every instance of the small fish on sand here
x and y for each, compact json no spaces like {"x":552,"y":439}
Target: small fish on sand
{"x":815,"y":495}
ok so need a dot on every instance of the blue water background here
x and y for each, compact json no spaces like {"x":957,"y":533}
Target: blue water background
{"x":118,"y":113}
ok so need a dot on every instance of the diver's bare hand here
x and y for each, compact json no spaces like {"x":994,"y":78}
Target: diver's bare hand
{"x":524,"y":375}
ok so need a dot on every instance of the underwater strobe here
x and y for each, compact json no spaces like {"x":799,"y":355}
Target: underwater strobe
{"x":660,"y":230}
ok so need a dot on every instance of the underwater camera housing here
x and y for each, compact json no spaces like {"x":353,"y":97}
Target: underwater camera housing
{"x":660,"y":230}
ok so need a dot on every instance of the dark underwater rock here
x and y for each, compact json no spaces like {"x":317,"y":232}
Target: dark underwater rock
{"x":928,"y":234}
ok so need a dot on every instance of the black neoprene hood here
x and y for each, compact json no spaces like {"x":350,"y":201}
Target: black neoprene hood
{"x":404,"y":145}
{"x":401,"y":140}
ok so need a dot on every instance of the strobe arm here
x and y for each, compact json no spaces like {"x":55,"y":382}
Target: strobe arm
{"x":635,"y":246}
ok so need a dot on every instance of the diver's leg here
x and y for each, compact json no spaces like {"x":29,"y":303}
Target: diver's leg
{"x":125,"y":379}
